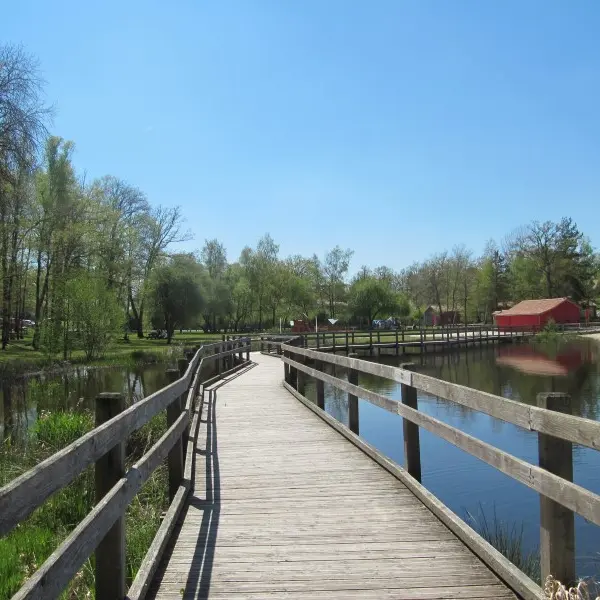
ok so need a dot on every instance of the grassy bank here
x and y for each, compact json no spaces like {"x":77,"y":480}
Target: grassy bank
{"x":20,"y":357}
{"x":29,"y":544}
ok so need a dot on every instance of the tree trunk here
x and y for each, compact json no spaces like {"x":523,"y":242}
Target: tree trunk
{"x":137,"y":315}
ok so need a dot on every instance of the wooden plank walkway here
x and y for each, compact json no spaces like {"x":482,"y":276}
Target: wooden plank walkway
{"x":285,"y":507}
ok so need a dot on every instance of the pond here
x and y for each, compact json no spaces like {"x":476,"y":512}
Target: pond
{"x":23,"y":399}
{"x":471,"y":488}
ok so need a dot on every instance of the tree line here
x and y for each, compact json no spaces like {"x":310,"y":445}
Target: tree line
{"x":540,"y":260}
{"x":87,"y":260}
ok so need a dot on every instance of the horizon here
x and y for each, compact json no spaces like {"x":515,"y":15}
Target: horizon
{"x":329,"y":125}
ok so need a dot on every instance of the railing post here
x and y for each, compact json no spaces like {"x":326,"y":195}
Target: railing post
{"x":300,"y":376}
{"x":286,"y":367}
{"x":218,"y":360}
{"x":293,"y":372}
{"x":557,"y":523}
{"x":175,"y":459}
{"x":110,"y":553}
{"x":241,"y":352}
{"x":412,"y":444}
{"x":352,"y":399}
{"x":320,"y":384}
{"x":248,"y":349}
{"x":182,"y":365}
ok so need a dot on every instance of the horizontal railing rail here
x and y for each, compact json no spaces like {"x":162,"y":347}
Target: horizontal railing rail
{"x":557,"y":430}
{"x":102,"y":530}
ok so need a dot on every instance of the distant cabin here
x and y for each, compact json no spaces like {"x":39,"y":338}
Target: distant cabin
{"x":536,"y":313}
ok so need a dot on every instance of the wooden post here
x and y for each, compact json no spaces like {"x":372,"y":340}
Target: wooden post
{"x":262,"y":345}
{"x":110,"y":553}
{"x":397,"y":347}
{"x":352,"y":399}
{"x":320,"y":386}
{"x":412,"y":444}
{"x":217,"y":361}
{"x":557,"y":523}
{"x":371,"y":342}
{"x":182,"y":365}
{"x":293,"y":372}
{"x":286,"y":368}
{"x":300,"y":376}
{"x":241,"y":352}
{"x":334,"y":342}
{"x":175,"y":459}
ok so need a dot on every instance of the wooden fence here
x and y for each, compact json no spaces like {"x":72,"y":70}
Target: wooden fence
{"x":557,"y":430}
{"x":424,"y":338}
{"x":103,"y":529}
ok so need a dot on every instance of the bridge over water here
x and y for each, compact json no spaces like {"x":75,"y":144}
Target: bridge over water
{"x":273,"y":498}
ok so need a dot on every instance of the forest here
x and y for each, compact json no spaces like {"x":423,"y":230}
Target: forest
{"x":85,"y":261}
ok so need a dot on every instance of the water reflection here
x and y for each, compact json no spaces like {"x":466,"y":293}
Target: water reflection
{"x":24,"y":398}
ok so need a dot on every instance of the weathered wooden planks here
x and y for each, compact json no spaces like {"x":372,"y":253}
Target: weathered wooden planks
{"x":285,"y":507}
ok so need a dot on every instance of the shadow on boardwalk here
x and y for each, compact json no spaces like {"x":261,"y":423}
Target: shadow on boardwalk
{"x":199,"y":575}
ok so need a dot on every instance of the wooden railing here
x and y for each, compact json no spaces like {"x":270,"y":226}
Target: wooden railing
{"x":455,"y":334}
{"x":557,"y":430}
{"x":103,"y":529}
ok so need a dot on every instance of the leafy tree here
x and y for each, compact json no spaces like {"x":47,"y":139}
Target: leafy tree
{"x":335,"y":266}
{"x":94,"y":312}
{"x":158,"y":230}
{"x":176,"y":292}
{"x":371,"y":297}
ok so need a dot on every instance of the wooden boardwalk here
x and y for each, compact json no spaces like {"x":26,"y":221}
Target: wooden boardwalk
{"x":285,"y":507}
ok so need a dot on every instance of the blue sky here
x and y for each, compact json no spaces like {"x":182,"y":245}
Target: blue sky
{"x":396,"y":128}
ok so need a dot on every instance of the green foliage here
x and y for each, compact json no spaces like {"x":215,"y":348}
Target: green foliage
{"x":26,"y":547}
{"x":94,"y":313}
{"x":177,"y":294}
{"x":371,"y":296}
{"x":54,"y":431}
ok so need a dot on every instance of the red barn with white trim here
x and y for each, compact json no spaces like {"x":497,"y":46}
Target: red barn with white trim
{"x":535,"y":314}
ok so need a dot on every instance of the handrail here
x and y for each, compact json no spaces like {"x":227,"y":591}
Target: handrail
{"x":557,"y":430}
{"x":23,"y":495}
{"x":578,"y":430}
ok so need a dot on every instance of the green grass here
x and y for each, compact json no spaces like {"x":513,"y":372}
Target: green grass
{"x":20,"y":356}
{"x":25,"y":548}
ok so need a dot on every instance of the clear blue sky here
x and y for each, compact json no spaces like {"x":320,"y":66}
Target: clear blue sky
{"x":392,"y":127}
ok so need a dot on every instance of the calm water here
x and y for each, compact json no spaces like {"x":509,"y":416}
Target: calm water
{"x":23,"y":399}
{"x":465,"y":484}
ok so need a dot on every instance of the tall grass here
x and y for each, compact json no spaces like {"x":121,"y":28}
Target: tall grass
{"x":24,"y":549}
{"x":508,"y":539}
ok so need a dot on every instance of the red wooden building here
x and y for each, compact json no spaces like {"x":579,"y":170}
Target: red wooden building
{"x":535,"y":314}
